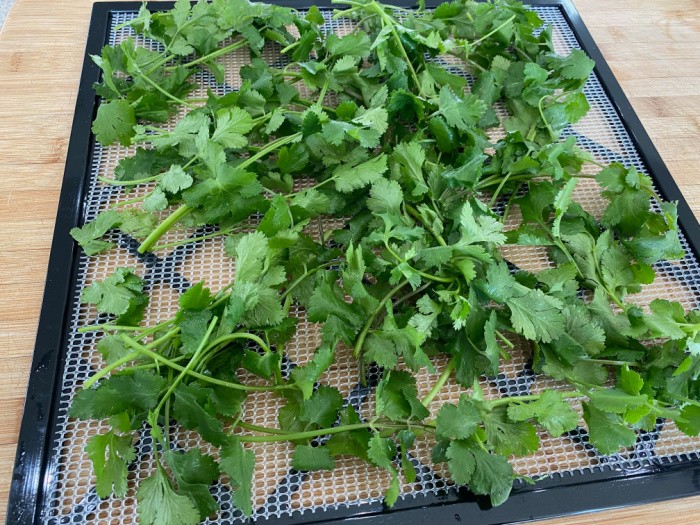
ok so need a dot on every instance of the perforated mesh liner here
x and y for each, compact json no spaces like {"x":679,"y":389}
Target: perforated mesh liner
{"x":280,"y":490}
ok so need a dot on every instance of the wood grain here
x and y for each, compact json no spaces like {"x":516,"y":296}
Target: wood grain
{"x":653,"y":47}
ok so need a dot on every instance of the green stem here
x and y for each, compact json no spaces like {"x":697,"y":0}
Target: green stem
{"x":107,"y":369}
{"x":298,"y":436}
{"x":422,"y":274}
{"x":522,"y":399}
{"x":238,"y":335}
{"x":498,"y":190}
{"x":444,"y":376}
{"x":163,"y":227}
{"x":189,"y":366}
{"x":166,"y":93}
{"x":214,"y":54}
{"x":503,"y":338}
{"x":411,"y":210}
{"x":202,"y":377}
{"x":298,"y":280}
{"x":117,"y":328}
{"x":365,"y":329}
{"x":610,"y":362}
{"x":494,"y":31}
{"x":189,"y":240}
{"x":115,"y":182}
{"x":258,"y":428}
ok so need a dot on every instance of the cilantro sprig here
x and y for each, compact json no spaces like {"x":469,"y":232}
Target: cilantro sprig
{"x":394,"y":140}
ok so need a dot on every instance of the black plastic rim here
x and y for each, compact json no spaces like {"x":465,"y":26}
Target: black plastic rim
{"x":563,"y":494}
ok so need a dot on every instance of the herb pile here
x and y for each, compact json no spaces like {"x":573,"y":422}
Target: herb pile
{"x":381,"y":131}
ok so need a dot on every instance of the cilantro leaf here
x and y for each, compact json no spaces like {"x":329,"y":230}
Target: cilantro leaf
{"x":239,"y":465}
{"x":110,"y":454}
{"x":159,"y":504}
{"x":307,"y":457}
{"x":550,"y":411}
{"x":115,"y":122}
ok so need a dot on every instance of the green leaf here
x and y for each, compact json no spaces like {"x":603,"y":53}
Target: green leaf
{"x":615,"y":401}
{"x":493,"y":476}
{"x":134,"y":392}
{"x":110,"y":455}
{"x":306,"y":376}
{"x":461,"y":462}
{"x":159,"y":504}
{"x":192,"y":411}
{"x":115,"y":122}
{"x":175,"y":180}
{"x":349,"y":177}
{"x":607,"y":431}
{"x":397,"y":397}
{"x":537,"y":316}
{"x":690,"y":422}
{"x":462,"y":112}
{"x":550,"y":411}
{"x":239,"y":465}
{"x":307,"y":457}
{"x":196,"y":297}
{"x":250,"y":251}
{"x":353,"y":442}
{"x":194,"y":472}
{"x":507,"y":437}
{"x":322,"y":408}
{"x":482,"y":228}
{"x":458,"y":421}
{"x":89,"y":235}
{"x":231,"y":126}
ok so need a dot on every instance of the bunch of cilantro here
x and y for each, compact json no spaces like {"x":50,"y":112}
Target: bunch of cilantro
{"x":392,"y":131}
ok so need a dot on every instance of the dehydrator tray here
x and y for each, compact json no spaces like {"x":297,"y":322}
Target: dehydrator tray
{"x":53,"y":481}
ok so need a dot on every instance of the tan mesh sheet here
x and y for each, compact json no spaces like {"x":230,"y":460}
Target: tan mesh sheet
{"x":277,"y":491}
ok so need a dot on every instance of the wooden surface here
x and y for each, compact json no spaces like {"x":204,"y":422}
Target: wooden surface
{"x":652,"y":46}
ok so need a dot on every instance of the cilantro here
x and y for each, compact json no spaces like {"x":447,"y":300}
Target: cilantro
{"x":120,"y":294}
{"x":159,"y":504}
{"x":307,"y":457}
{"x":369,"y":132}
{"x":110,"y":454}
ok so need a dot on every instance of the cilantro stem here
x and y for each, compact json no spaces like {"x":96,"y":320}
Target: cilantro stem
{"x":411,"y":210}
{"x":189,"y":366}
{"x":118,"y":328}
{"x":115,"y":182}
{"x":164,"y":92}
{"x":390,"y":21}
{"x":422,"y":274}
{"x":610,"y":362}
{"x":308,"y":434}
{"x":163,"y":227}
{"x":507,"y":341}
{"x":107,"y":369}
{"x":258,"y":428}
{"x":522,"y":399}
{"x":214,"y":54}
{"x":239,"y":335}
{"x":189,"y":240}
{"x":202,"y":377}
{"x":444,"y":376}
{"x":127,"y":358}
{"x":493,"y":31}
{"x":365,"y":329}
{"x":131,"y":201}
{"x":298,"y":280}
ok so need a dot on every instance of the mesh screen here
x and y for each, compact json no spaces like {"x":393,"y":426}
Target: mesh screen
{"x":280,"y":490}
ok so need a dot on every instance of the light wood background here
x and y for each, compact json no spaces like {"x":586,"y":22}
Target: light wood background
{"x":652,"y":46}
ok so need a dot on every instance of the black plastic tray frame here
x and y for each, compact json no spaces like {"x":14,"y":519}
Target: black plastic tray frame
{"x":564,"y":494}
